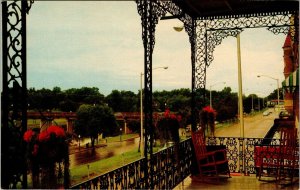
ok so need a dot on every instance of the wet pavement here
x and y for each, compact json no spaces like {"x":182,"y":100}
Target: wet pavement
{"x":102,"y":150}
{"x":254,"y":127}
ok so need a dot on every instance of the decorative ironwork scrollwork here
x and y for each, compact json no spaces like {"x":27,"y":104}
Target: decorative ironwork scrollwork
{"x":14,"y":96}
{"x":29,"y":4}
{"x":211,"y":32}
{"x":150,"y":14}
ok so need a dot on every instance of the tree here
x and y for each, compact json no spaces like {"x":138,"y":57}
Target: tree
{"x":226,"y":104}
{"x":93,"y":120}
{"x":42,"y":99}
{"x":122,"y":101}
{"x":85,"y":95}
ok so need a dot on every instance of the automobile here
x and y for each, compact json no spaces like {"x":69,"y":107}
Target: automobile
{"x":285,"y":115}
{"x":266,"y":113}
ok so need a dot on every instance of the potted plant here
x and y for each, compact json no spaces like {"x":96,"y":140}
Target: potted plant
{"x":47,"y":153}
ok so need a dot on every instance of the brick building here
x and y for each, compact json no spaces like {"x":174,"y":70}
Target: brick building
{"x":291,"y":73}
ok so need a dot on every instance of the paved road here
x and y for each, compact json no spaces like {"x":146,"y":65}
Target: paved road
{"x":254,"y":127}
{"x":115,"y":148}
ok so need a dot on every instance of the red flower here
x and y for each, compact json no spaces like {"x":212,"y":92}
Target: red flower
{"x":179,"y":118}
{"x":44,"y":136}
{"x":173,"y":116}
{"x":58,"y":131}
{"x":167,"y":113}
{"x":209,"y":109}
{"x":35,"y":150}
{"x":28,"y":135}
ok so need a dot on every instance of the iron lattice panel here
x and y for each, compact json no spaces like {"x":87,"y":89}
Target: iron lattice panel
{"x":168,"y":172}
{"x":130,"y":176}
{"x":14,"y":95}
{"x":240,"y":152}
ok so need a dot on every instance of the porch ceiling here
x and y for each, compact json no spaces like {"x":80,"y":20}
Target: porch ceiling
{"x":202,"y":9}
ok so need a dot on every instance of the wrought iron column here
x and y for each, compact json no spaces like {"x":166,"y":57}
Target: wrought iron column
{"x":14,"y":94}
{"x":150,"y":14}
{"x":192,"y":38}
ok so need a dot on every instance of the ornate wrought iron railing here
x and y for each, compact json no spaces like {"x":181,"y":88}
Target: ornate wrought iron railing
{"x":170,"y":170}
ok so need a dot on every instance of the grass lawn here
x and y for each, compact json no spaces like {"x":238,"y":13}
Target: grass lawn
{"x":123,"y":137}
{"x":80,"y":173}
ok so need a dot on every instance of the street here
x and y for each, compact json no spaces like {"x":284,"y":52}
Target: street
{"x":254,"y":127}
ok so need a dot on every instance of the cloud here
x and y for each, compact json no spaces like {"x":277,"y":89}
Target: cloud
{"x":99,"y":43}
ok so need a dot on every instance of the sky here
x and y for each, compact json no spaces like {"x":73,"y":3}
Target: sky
{"x":71,"y":44}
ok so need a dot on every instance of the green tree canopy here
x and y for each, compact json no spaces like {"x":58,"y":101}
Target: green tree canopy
{"x":122,"y":101}
{"x":93,"y":120}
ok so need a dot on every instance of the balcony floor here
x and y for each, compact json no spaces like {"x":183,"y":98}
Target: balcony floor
{"x":238,"y":182}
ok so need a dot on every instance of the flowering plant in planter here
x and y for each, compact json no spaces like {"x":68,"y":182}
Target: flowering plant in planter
{"x":207,"y":119}
{"x":47,"y":151}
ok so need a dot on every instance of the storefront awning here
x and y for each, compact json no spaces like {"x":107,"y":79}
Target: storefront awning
{"x":291,"y":82}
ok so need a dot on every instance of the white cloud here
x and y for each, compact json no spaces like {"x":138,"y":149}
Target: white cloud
{"x":99,"y":43}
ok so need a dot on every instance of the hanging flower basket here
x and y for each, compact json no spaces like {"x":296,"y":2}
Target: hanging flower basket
{"x":47,"y":153}
{"x":168,"y":127}
{"x":207,"y":119}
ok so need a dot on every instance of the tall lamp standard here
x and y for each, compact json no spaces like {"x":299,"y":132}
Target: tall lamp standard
{"x":277,"y":85}
{"x":141,"y":110}
{"x":210,"y":99}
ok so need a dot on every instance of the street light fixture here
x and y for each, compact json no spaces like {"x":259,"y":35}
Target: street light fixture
{"x":277,"y":85}
{"x":141,"y":109}
{"x":178,"y":28}
{"x":210,"y":99}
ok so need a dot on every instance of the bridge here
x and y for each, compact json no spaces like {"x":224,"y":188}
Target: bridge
{"x":48,"y":117}
{"x":73,"y":116}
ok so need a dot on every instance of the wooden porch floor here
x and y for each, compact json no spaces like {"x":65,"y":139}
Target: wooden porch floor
{"x":238,"y":182}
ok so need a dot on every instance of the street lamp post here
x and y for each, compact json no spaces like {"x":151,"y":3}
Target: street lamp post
{"x":252,"y":109}
{"x":240,"y":87}
{"x":141,"y":110}
{"x":210,"y":98}
{"x":120,"y":134}
{"x":79,"y":141}
{"x":277,"y":85}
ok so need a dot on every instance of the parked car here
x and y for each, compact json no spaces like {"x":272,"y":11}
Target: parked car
{"x":285,"y":115}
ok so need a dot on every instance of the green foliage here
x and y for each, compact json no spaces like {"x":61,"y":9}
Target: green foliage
{"x":68,"y":100}
{"x":225,"y":102}
{"x":95,"y":119}
{"x":273,"y":95}
{"x":122,"y":101}
{"x":176,"y":100}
